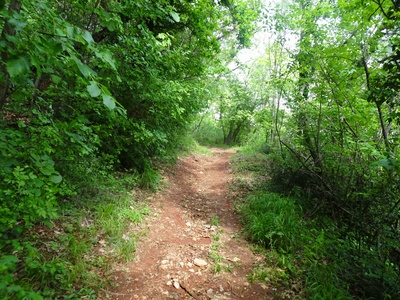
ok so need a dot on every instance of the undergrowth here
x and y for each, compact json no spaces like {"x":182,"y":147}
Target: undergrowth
{"x":298,"y":254}
{"x":96,"y":223}
{"x":71,"y":256}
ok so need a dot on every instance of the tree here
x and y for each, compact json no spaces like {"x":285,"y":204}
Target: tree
{"x":343,"y":107}
{"x":111,"y":81}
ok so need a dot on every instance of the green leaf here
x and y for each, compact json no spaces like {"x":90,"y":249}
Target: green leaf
{"x":55,"y":79}
{"x":35,"y":191}
{"x":387,"y":163}
{"x":108,"y":101}
{"x":16,"y":66}
{"x":87,"y":37}
{"x":56,"y":48}
{"x":35,"y":296}
{"x":47,"y":171}
{"x":17,"y":24}
{"x":105,"y":90}
{"x":38,"y":183}
{"x":8,"y":262}
{"x":175,"y":16}
{"x":93,"y":89}
{"x":106,"y":56}
{"x":56,"y":178}
{"x":35,"y":62}
{"x":85,"y":70}
{"x":70,"y":31}
{"x":19,"y":95}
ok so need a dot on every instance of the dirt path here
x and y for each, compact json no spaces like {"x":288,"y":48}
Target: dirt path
{"x":193,"y":249}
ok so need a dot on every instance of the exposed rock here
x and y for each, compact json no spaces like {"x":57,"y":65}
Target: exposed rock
{"x":176,"y":284}
{"x":200,"y":262}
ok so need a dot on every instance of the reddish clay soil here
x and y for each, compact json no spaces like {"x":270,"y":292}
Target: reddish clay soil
{"x":184,"y":235}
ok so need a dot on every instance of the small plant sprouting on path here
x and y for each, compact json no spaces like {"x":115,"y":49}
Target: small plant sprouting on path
{"x":214,"y":221}
{"x":219,"y":262}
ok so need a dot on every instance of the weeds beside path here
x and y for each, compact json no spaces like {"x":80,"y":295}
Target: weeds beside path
{"x":194,"y":248}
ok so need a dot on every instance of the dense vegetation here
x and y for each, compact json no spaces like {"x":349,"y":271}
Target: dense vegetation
{"x":322,"y":104}
{"x":90,"y":89}
{"x":95,"y":94}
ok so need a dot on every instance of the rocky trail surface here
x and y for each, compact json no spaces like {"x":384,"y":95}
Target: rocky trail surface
{"x":194,"y":248}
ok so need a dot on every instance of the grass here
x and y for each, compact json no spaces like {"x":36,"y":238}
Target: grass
{"x":73,"y":257}
{"x":115,"y":220}
{"x":149,"y":179}
{"x":265,"y":273}
{"x":214,"y":221}
{"x":271,"y":220}
{"x":198,"y":149}
{"x":296,"y":253}
{"x":219,"y":263}
{"x":255,"y":162}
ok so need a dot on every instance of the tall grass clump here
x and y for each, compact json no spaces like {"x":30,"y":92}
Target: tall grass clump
{"x":272,"y":221}
{"x":303,"y":254}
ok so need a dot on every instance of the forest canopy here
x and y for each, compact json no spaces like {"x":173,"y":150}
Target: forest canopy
{"x":110,"y":82}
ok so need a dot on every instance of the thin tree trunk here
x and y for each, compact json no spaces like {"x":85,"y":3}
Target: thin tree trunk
{"x":385,"y":133}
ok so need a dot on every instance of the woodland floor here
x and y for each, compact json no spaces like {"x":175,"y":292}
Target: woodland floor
{"x":193,"y":222}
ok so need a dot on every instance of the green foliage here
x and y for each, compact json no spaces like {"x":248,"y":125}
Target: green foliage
{"x":187,"y":144}
{"x":114,"y":218}
{"x":207,"y":132}
{"x":299,"y":254}
{"x":250,"y":161}
{"x":30,"y":183}
{"x":73,"y":257}
{"x":214,"y":221}
{"x":9,"y":289}
{"x":310,"y":247}
{"x":149,"y":179}
{"x":88,"y":90}
{"x":337,"y":145}
{"x":271,"y":220}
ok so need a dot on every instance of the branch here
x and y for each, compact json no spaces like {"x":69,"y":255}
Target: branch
{"x":351,"y":129}
{"x":365,"y":65}
{"x":381,"y":9}
{"x":324,"y":183}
